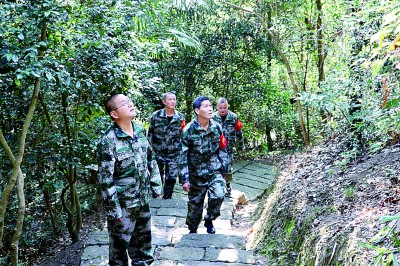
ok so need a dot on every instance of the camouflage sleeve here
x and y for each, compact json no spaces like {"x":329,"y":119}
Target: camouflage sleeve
{"x":106,"y":160}
{"x":155,"y":177}
{"x":224,"y":159}
{"x":239,"y":137}
{"x":223,"y":154}
{"x":150,"y":132}
{"x":183,"y":162}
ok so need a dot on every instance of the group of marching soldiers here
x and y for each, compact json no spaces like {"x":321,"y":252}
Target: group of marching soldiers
{"x":134,"y":166}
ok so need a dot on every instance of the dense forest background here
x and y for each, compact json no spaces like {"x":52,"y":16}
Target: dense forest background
{"x":297,"y":72}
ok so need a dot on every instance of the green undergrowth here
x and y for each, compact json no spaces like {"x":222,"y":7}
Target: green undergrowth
{"x":289,"y":239}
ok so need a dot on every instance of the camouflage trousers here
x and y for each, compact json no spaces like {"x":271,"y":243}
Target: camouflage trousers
{"x":213,"y":186}
{"x":229,"y":176}
{"x":169,"y":171}
{"x":132,"y":235}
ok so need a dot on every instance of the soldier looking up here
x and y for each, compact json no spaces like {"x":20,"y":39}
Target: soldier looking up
{"x":164,"y":136}
{"x":232,"y":128}
{"x":204,"y":160}
{"x":127,"y":173}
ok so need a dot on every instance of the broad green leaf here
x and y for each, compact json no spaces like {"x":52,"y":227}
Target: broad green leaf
{"x":365,"y":245}
{"x":17,"y":82}
{"x":49,"y":76}
{"x":389,"y":18}
{"x":35,"y":74}
{"x":376,"y":67}
{"x":185,"y":39}
{"x":393,"y":103}
{"x":389,"y":260}
{"x":395,"y":261}
{"x":15,"y":58}
{"x":376,"y":37}
{"x":379,"y":236}
{"x":385,"y":219}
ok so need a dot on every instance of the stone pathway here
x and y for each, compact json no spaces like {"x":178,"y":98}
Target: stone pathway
{"x":173,"y":245}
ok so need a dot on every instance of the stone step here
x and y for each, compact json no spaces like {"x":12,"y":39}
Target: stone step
{"x":172,"y":245}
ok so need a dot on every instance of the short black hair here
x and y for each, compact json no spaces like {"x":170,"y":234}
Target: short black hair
{"x":109,"y":103}
{"x":197,"y":102}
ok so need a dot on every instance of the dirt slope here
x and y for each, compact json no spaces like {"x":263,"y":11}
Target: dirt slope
{"x":321,"y":207}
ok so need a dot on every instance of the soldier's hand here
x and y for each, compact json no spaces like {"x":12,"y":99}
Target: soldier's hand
{"x":186,"y":187}
{"x":118,"y":219}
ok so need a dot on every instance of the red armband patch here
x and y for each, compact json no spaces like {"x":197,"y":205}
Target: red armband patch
{"x":238,"y":125}
{"x":183,"y":124}
{"x":222,"y":142}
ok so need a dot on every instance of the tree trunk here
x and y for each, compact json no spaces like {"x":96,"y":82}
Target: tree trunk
{"x":275,"y":42}
{"x":189,"y":87}
{"x":46,"y":194}
{"x":293,"y":82}
{"x":74,"y":214}
{"x":321,"y":55}
{"x":20,"y":219}
{"x":73,"y":210}
{"x":17,"y":175}
{"x":268,"y":130}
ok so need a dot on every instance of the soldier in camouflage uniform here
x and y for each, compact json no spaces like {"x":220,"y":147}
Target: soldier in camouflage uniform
{"x":127,"y":173}
{"x":164,"y":136}
{"x":204,"y":159}
{"x":232,"y":128}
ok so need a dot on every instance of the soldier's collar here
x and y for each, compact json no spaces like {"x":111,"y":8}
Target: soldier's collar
{"x":121,"y":134}
{"x":164,"y":113}
{"x":200,"y":128}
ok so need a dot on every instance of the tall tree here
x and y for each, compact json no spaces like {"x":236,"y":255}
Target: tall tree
{"x":17,"y":174}
{"x":284,"y":58}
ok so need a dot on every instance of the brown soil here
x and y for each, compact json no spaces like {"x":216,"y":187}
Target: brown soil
{"x":324,"y":205}
{"x":66,"y":253}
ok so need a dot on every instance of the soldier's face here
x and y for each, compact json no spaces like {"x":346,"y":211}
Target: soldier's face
{"x":222,"y":109}
{"x":124,"y":107}
{"x":170,"y":101}
{"x":206,"y":110}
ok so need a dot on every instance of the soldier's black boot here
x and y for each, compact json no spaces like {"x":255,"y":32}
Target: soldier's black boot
{"x":169,"y":188}
{"x":210,"y":226}
{"x":228,"y":190}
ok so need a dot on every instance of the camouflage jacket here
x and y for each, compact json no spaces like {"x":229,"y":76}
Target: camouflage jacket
{"x":127,"y":169}
{"x":164,"y":136}
{"x":202,"y":152}
{"x":232,"y":129}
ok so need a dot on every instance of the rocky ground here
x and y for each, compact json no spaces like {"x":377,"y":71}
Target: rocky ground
{"x":66,"y":253}
{"x":323,"y":210}
{"x":69,"y":254}
{"x":326,"y":206}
